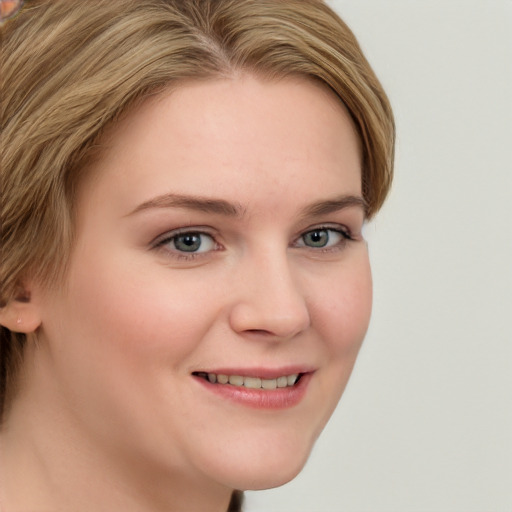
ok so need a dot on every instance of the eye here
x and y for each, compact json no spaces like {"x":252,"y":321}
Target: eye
{"x":189,"y":242}
{"x":322,"y":238}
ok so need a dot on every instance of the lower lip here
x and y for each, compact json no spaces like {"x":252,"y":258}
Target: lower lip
{"x":280,"y":398}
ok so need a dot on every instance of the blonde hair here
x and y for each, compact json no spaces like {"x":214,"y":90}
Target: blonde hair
{"x":70,"y":69}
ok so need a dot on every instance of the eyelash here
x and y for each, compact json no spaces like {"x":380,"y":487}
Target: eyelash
{"x":345,"y":233}
{"x":167,"y":238}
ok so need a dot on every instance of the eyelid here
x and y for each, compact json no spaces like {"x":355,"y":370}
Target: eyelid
{"x":162,"y":241}
{"x":169,"y":235}
{"x":341,"y":230}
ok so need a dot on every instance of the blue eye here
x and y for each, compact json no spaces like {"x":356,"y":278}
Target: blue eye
{"x":322,"y":238}
{"x":191,"y":242}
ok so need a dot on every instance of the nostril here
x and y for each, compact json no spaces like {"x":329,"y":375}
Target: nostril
{"x":259,"y":331}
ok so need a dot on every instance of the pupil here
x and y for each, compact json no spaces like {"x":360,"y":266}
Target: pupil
{"x":188,"y":243}
{"x":189,"y":240}
{"x":318,"y":238}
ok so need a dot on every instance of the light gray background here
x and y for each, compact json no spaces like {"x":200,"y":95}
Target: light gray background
{"x":425,"y":424}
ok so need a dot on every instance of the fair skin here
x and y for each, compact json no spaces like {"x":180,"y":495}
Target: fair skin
{"x":113,"y":411}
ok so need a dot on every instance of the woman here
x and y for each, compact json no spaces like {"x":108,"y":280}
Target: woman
{"x":185,"y":285}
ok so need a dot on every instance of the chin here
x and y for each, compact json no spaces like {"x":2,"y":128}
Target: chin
{"x":257,"y":479}
{"x":269,"y":480}
{"x":269,"y":466}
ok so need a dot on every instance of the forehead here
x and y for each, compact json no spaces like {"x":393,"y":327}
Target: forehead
{"x":230,"y":137}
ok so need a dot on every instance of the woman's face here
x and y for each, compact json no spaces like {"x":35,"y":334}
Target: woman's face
{"x":219,"y":235}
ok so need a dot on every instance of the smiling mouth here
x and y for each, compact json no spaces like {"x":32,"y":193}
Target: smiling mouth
{"x":285,"y":381}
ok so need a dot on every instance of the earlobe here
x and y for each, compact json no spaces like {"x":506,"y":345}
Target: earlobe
{"x":21,"y":314}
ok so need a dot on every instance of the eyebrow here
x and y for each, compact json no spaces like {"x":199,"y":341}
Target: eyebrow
{"x":202,"y":204}
{"x":333,"y":205}
{"x":223,"y":207}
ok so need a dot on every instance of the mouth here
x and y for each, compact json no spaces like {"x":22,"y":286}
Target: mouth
{"x":260,"y":389}
{"x":281,"y":382}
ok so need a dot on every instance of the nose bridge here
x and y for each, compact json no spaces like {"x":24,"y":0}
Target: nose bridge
{"x":269,"y":298}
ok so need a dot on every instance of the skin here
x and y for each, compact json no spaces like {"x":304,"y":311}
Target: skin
{"x":108,"y":415}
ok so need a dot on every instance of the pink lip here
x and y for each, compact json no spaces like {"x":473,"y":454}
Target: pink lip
{"x":280,"y":398}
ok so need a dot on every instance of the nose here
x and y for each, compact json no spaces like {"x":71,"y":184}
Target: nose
{"x":269,"y":301}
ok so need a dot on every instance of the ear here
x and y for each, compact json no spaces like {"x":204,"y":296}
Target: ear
{"x":21,"y":314}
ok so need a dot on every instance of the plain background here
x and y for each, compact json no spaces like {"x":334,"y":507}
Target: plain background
{"x":425,"y":424}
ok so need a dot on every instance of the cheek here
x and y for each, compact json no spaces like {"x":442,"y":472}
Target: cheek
{"x":343,"y":312}
{"x":140,"y":314}
{"x":120,"y":339}
{"x":342,"y":318}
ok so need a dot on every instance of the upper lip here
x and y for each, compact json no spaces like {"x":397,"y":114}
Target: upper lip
{"x":262,"y":372}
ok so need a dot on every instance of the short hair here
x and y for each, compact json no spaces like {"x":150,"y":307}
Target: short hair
{"x":70,"y":69}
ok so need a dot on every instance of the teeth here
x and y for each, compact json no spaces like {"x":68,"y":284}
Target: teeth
{"x":236,"y":380}
{"x":282,"y":382}
{"x":251,"y":382}
{"x":269,"y":383}
{"x":292,"y":379}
